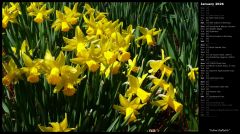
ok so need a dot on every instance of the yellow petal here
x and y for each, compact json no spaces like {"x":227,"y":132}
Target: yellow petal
{"x":143,"y":95}
{"x":130,"y":113}
{"x":48,"y":55}
{"x":143,"y":30}
{"x":45,"y":129}
{"x":61,"y":59}
{"x":56,"y":127}
{"x":155,"y":65}
{"x":123,"y":101}
{"x":168,"y":70}
{"x":160,"y":103}
{"x":142,"y":78}
{"x":27,"y":60}
{"x":64,"y":123}
{"x":133,"y":81}
{"x":119,"y":108}
{"x":5,"y":22}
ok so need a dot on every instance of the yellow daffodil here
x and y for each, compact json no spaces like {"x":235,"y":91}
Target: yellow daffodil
{"x":57,"y":127}
{"x":67,"y":19}
{"x":13,"y":73}
{"x":70,"y":77}
{"x":159,"y":64}
{"x":39,"y":10}
{"x":169,"y":100}
{"x":53,"y":67}
{"x":9,"y":14}
{"x":160,"y":82}
{"x":77,"y":42}
{"x":134,"y":88}
{"x":192,"y":73}
{"x":132,"y":65}
{"x":32,"y":68}
{"x":61,"y":75}
{"x":129,"y":108}
{"x":148,"y":35}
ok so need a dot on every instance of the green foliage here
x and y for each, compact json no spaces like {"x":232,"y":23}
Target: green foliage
{"x":26,"y":105}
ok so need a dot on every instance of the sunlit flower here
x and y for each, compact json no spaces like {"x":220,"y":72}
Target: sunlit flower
{"x":70,"y":78}
{"x":192,"y":73}
{"x":31,"y":68}
{"x":9,"y":14}
{"x":57,"y":127}
{"x":13,"y":73}
{"x":169,"y":100}
{"x":148,"y":35}
{"x":135,"y":89}
{"x":159,"y":64}
{"x":129,"y":108}
{"x":77,"y":42}
{"x":39,"y":10}
{"x":67,"y":19}
{"x":160,"y":82}
{"x":132,"y":65}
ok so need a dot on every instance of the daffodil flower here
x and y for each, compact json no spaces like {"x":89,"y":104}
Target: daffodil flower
{"x":192,"y":73}
{"x":38,"y":10}
{"x":169,"y":100}
{"x":61,"y":75}
{"x":53,"y":67}
{"x":94,"y":28}
{"x":13,"y":73}
{"x":32,"y":68}
{"x":9,"y":14}
{"x":159,"y":64}
{"x":57,"y":127}
{"x":129,"y":108}
{"x":65,"y":20}
{"x":77,"y":42}
{"x":70,"y":77}
{"x":160,"y":82}
{"x":148,"y":35}
{"x":134,"y":88}
{"x":132,"y":65}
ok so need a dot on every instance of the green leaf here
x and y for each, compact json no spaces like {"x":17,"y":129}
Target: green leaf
{"x":110,"y":128}
{"x":5,"y":107}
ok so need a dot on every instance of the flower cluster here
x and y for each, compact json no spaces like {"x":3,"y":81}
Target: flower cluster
{"x":100,"y":46}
